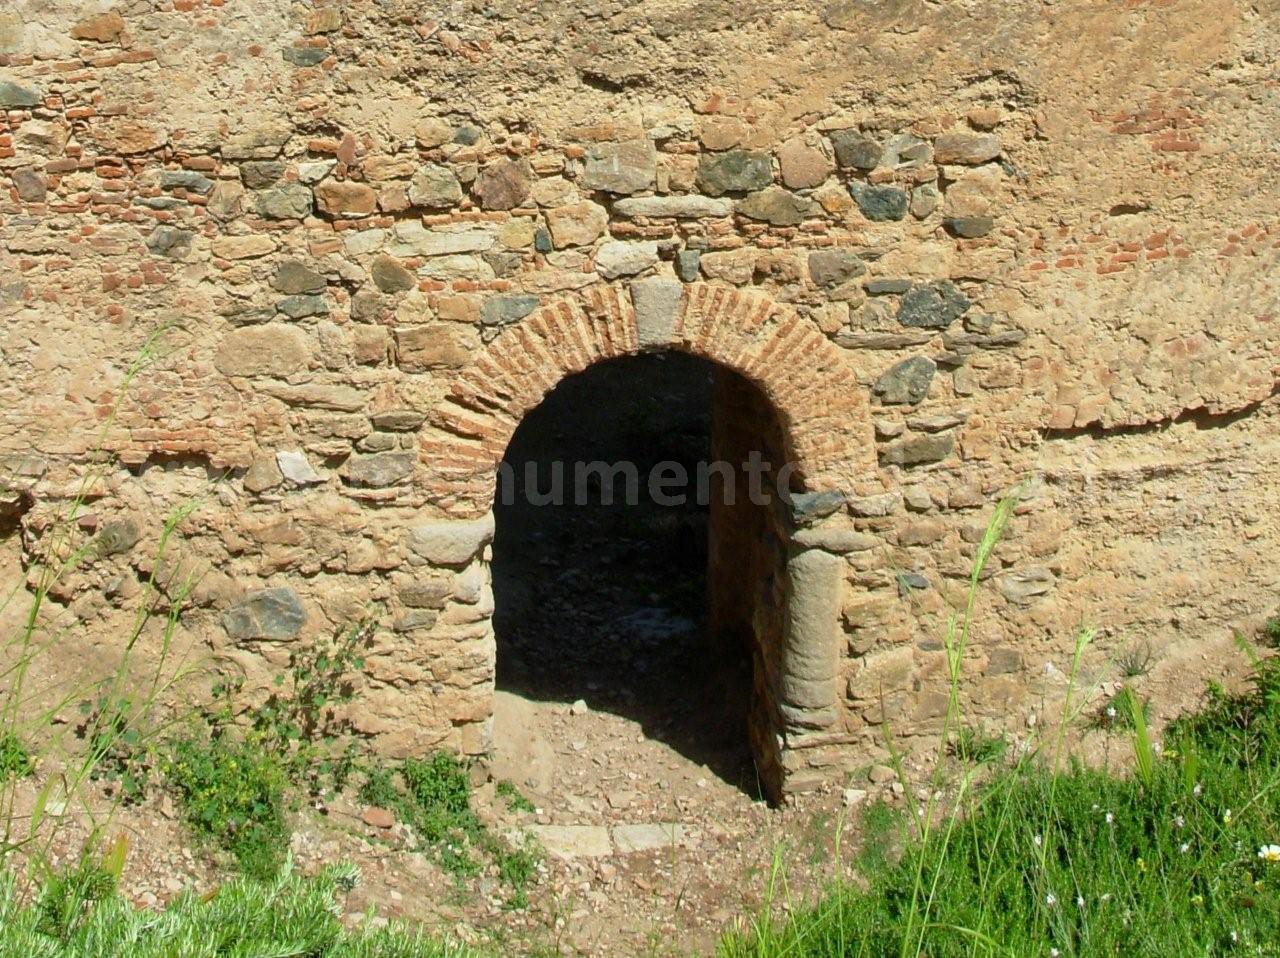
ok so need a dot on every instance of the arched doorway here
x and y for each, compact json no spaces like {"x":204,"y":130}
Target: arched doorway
{"x":638,"y":565}
{"x":782,"y":372}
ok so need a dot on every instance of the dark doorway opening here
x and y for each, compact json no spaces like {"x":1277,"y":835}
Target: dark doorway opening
{"x":627,"y":604}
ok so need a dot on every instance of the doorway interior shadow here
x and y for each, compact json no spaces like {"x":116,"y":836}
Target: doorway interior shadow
{"x":609,"y":602}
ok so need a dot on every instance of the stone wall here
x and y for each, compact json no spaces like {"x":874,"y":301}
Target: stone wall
{"x":958,"y":247}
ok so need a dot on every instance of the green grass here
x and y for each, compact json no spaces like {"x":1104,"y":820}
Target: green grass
{"x":1163,"y":862}
{"x":81,"y":915}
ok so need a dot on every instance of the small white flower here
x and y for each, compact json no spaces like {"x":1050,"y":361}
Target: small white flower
{"x":1111,"y":711}
{"x":1157,"y":747}
{"x":1106,"y":896}
{"x":1198,"y":789}
{"x":1269,"y":853}
{"x":1051,"y":899}
{"x":1226,"y":817}
{"x":1054,"y":953}
{"x":1079,"y":901}
{"x":1179,"y":821}
{"x":1038,"y":840}
{"x":1184,"y":847}
{"x":1234,"y":936}
{"x":1110,"y":818}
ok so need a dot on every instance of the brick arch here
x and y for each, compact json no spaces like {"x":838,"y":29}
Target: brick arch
{"x":815,"y":393}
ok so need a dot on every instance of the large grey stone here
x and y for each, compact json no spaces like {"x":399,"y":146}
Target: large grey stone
{"x":16,"y":97}
{"x":32,"y":186}
{"x":294,"y":466}
{"x":292,"y":201}
{"x":969,"y":227}
{"x":249,"y":143}
{"x":648,"y":837}
{"x":435,"y":187}
{"x":623,"y":168}
{"x":1003,"y":661}
{"x":379,"y":470}
{"x":304,"y":56}
{"x":117,"y":536}
{"x":268,"y":614}
{"x":688,"y":264}
{"x":807,"y":507}
{"x":906,"y":382}
{"x":903,"y":151}
{"x":294,"y":278}
{"x":839,"y":539}
{"x":777,"y":206}
{"x":414,"y":239}
{"x":933,"y":305}
{"x":966,"y":149}
{"x":259,"y":174}
{"x":918,"y":450}
{"x":170,"y":241}
{"x":815,"y":583}
{"x":398,"y":420}
{"x":737,"y":171}
{"x":188,"y":180}
{"x":568,"y":842}
{"x":413,"y":619}
{"x":657,"y":304}
{"x":855,"y":150}
{"x":298,"y":307}
{"x":924,"y":200}
{"x":625,"y":259}
{"x":451,"y":542}
{"x":430,"y":593}
{"x":880,"y":203}
{"x":1025,"y":586}
{"x":687,"y":207}
{"x":831,"y":267}
{"x":507,"y":308}
{"x":390,"y":276}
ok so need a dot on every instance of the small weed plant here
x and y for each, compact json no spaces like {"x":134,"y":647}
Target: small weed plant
{"x":15,"y":759}
{"x":433,"y":797}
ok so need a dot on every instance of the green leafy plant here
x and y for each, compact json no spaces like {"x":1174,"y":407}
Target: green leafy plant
{"x":516,"y":802}
{"x":303,"y":720}
{"x":120,"y":751}
{"x":15,"y":759}
{"x":235,"y":770}
{"x":232,"y":795}
{"x":516,"y":868}
{"x":971,"y":744}
{"x":1271,"y":631}
{"x":432,"y":796}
